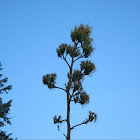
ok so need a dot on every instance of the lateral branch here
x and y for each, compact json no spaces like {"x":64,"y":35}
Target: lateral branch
{"x":66,"y":61}
{"x":62,"y":121}
{"x":84,"y":122}
{"x":60,"y":88}
{"x":78,"y":58}
{"x":92,"y":116}
{"x":65,"y":136}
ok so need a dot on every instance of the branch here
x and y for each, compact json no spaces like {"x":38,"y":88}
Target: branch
{"x":65,"y":61}
{"x":92,"y":116}
{"x":5,"y":89}
{"x":73,"y":95}
{"x":78,"y":58}
{"x":60,"y":88}
{"x":65,"y":136}
{"x":63,"y":121}
{"x":58,"y":119}
{"x":84,"y":122}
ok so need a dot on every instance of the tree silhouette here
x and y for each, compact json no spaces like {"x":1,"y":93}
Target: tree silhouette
{"x":81,"y":49}
{"x":4,"y":108}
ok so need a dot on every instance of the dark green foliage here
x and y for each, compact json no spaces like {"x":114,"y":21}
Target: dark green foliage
{"x":4,"y":108}
{"x":49,"y":80}
{"x":62,"y":49}
{"x":92,"y":116}
{"x":76,"y":81}
{"x":4,"y":136}
{"x":77,"y":86}
{"x":87,"y":50}
{"x":2,"y":83}
{"x":81,"y":98}
{"x":65,"y":49}
{"x":81,"y":34}
{"x":87,"y":67}
{"x":81,"y":48}
{"x":73,"y":52}
{"x":77,"y":75}
{"x":57,"y":119}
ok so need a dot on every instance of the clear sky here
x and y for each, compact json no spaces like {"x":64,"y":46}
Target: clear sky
{"x":30,"y":32}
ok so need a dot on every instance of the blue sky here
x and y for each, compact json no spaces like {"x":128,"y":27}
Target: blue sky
{"x":30,"y":32}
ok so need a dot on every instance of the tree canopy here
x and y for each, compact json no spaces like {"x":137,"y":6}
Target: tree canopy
{"x":4,"y":107}
{"x":81,"y":49}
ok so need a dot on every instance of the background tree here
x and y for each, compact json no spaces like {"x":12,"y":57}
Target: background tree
{"x":81,"y":49}
{"x":4,"y":108}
